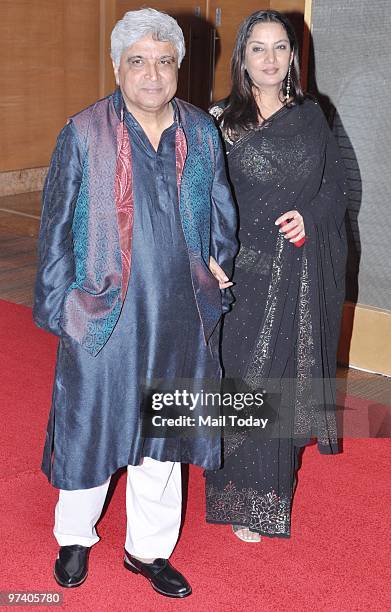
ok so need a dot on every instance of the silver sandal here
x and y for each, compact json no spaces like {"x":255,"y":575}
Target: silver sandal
{"x":247,"y":535}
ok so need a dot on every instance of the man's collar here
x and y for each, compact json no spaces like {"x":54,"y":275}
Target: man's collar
{"x":119,"y":104}
{"x":177,"y":115}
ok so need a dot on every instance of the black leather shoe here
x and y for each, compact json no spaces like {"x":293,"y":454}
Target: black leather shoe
{"x":71,"y":567}
{"x":164,"y":578}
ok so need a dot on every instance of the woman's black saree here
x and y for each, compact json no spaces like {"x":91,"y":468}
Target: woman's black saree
{"x":283,"y":329}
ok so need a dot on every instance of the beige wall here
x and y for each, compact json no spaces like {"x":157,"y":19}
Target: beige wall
{"x":365,"y":340}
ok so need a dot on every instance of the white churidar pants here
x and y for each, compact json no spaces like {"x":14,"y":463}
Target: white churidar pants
{"x":153,"y":510}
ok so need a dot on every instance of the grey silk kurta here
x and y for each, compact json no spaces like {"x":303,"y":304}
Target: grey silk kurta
{"x":94,"y":425}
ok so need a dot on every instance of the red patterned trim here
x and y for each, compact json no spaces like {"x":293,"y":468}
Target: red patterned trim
{"x":124,"y":201}
{"x":181,"y":154}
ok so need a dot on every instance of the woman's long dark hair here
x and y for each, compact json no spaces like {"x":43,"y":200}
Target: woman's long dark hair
{"x":242,"y":113}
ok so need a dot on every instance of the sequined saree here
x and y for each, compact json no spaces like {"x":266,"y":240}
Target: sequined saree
{"x":284,"y":326}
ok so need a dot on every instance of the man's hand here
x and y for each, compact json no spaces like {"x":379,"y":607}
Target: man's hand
{"x":219,"y":274}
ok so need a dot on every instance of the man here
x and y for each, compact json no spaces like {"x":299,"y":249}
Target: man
{"x":136,"y":207}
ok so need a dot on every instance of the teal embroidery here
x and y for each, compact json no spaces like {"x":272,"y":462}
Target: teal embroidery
{"x":197,"y":179}
{"x":80,"y":228}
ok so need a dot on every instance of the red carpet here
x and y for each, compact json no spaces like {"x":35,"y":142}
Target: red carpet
{"x":338,"y":558}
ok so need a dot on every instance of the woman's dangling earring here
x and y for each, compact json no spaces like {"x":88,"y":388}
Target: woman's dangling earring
{"x":288,"y":84}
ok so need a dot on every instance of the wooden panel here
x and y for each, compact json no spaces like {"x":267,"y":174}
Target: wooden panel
{"x":81,"y":53}
{"x":181,"y":7}
{"x":288,"y":6}
{"x":306,"y":44}
{"x":298,"y":12}
{"x":49,"y":71}
{"x":31,"y":81}
{"x":56,"y":61}
{"x":108,"y":18}
{"x":294,"y":10}
{"x":232,"y":14}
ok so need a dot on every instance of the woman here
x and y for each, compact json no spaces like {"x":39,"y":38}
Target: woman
{"x":282,"y":334}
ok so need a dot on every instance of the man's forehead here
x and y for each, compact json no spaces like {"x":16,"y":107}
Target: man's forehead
{"x":149,"y":47}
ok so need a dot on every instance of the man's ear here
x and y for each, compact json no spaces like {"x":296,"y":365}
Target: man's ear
{"x":115,"y":68}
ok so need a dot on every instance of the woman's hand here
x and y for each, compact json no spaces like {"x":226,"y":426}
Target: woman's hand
{"x":219,"y":274}
{"x":294,"y":230}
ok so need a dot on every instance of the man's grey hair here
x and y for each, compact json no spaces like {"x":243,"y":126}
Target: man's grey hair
{"x":146,"y":22}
